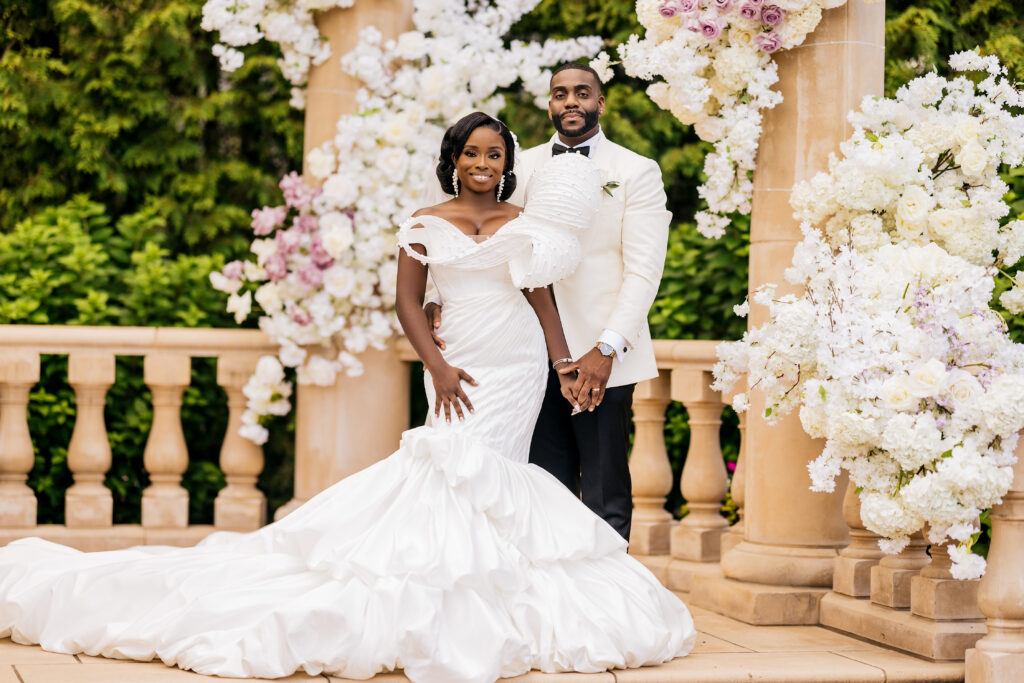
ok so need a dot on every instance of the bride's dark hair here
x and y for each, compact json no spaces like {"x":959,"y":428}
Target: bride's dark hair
{"x":455,"y":139}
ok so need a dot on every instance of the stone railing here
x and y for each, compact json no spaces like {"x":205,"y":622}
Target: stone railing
{"x":167,"y":354}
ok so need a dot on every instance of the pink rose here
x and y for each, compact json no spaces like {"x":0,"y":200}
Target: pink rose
{"x":276,"y":267}
{"x":689,"y":5}
{"x":749,"y":11}
{"x":768,"y":42}
{"x":710,"y":27}
{"x":721,"y":5}
{"x":266,"y":219}
{"x":296,"y":192}
{"x":321,"y":259}
{"x":311,"y":276}
{"x":756,"y":3}
{"x":299,"y":315}
{"x":772,"y":15}
{"x":670,"y":8}
{"x":232,"y":271}
{"x":306,"y":223}
{"x":693,"y":25}
{"x":288,"y":240}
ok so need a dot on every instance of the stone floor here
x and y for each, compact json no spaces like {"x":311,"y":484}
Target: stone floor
{"x":727,"y":650}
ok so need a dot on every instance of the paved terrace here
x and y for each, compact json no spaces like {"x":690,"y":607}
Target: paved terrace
{"x":727,"y":651}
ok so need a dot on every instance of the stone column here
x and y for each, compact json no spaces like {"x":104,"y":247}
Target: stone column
{"x":999,"y":656}
{"x":239,"y":506}
{"x":18,"y":372}
{"x":165,"y":501}
{"x":341,"y":429}
{"x":649,"y":468}
{"x":852,"y":574}
{"x":88,"y":503}
{"x":737,"y":487}
{"x":793,"y":535}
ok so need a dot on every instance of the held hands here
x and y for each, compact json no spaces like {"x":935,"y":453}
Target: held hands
{"x":587,"y":391}
{"x":448,"y":391}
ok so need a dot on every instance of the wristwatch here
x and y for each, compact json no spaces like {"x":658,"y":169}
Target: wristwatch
{"x":605,"y":348}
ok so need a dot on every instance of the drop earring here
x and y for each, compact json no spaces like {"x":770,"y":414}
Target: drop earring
{"x":455,"y":181}
{"x":501,"y":186}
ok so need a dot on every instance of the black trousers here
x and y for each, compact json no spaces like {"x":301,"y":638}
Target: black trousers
{"x":589,"y":452}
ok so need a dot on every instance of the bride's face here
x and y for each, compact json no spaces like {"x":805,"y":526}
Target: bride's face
{"x":482,"y":161}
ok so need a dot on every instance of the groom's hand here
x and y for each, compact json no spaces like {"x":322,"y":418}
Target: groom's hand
{"x":433,"y":313}
{"x":594,"y":368}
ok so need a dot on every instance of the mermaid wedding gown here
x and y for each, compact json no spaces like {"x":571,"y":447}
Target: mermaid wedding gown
{"x":452,"y":559}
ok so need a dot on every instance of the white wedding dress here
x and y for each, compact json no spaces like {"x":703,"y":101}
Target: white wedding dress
{"x":453,"y":559}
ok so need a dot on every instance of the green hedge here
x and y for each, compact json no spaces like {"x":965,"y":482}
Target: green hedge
{"x":131,"y":163}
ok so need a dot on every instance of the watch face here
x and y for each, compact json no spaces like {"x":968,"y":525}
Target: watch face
{"x":605,"y":349}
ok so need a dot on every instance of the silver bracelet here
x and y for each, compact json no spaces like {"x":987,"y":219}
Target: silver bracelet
{"x":558,"y":362}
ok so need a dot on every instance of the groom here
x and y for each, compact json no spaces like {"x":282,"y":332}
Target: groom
{"x":603,"y":305}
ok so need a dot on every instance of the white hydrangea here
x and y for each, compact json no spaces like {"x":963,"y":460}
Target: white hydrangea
{"x":714,"y":59}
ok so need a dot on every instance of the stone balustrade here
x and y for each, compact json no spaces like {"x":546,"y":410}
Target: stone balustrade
{"x":89,"y":510}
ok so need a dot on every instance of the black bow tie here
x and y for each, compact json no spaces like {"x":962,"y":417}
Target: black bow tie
{"x":557,"y":149}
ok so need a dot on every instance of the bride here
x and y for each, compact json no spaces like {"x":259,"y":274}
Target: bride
{"x":453,"y":558}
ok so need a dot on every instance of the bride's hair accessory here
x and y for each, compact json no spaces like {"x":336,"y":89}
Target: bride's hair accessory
{"x":501,"y":187}
{"x":455,"y":182}
{"x":455,"y":140}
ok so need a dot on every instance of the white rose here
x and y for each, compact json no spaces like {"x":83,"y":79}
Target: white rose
{"x":336,"y":233}
{"x":319,"y":371}
{"x":914,"y":205}
{"x":268,"y":296}
{"x":944,"y":223}
{"x":291,"y":355}
{"x":966,"y":130}
{"x":973,"y":159}
{"x":393,"y":162}
{"x":240,"y":306}
{"x":339,"y":281}
{"x":269,"y":371}
{"x":896,"y":393}
{"x":340,"y":190}
{"x":963,"y":386}
{"x":320,"y":163}
{"x":927,"y":378}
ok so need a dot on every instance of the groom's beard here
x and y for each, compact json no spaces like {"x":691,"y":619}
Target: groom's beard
{"x":590,"y":119}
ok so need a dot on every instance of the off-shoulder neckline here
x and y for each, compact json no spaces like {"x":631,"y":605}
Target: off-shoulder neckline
{"x":472,"y":238}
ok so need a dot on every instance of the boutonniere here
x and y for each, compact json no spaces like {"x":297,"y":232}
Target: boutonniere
{"x":609,"y":186}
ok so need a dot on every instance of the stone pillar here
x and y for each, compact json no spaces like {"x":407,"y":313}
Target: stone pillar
{"x":341,"y":429}
{"x":649,"y":468}
{"x":239,"y":506}
{"x":88,"y":503}
{"x":852,"y":574}
{"x":792,"y":534}
{"x":890,"y":579}
{"x":999,"y":656}
{"x":164,"y":501}
{"x":19,"y":370}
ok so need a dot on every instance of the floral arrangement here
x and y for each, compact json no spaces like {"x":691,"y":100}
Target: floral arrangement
{"x":714,"y":57}
{"x":325,"y":261}
{"x":892,"y":353}
{"x":290,"y":24}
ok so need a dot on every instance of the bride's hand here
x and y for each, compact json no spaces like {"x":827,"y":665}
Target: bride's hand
{"x":448,"y":391}
{"x":567,"y":383}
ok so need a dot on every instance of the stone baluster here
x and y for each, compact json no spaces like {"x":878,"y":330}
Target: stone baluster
{"x":649,"y":468}
{"x":999,"y":656}
{"x":935,"y":594}
{"x":18,"y":372}
{"x":165,"y":502}
{"x":890,"y":578}
{"x":88,"y":503}
{"x":737,"y":489}
{"x":705,"y":481}
{"x":239,"y":506}
{"x":852,"y":574}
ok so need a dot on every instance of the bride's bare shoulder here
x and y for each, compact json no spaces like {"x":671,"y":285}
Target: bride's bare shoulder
{"x":435,"y":210}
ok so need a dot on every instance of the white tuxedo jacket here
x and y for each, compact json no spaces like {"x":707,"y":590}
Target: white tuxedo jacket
{"x":623,"y":258}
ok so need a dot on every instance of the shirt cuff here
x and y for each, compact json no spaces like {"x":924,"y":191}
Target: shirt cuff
{"x":436,"y":300}
{"x":617,"y":342}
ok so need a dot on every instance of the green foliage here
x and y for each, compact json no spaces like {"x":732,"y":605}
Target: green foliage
{"x":125,"y":103}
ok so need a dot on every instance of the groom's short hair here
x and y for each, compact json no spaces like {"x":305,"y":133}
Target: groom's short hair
{"x":581,"y":67}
